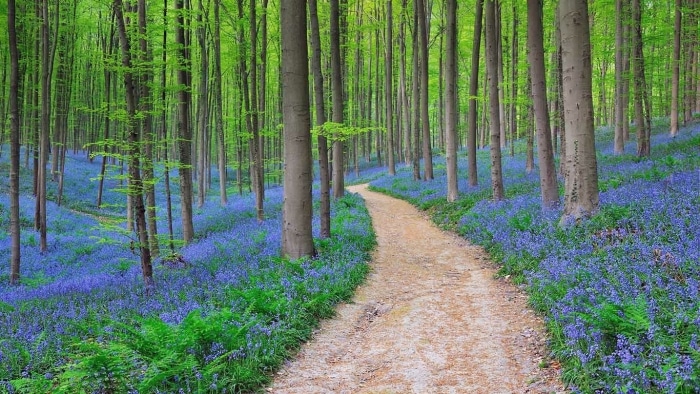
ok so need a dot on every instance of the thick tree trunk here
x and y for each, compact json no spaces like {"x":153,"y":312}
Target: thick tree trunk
{"x":325,"y":207}
{"x":297,"y":239}
{"x":473,"y":91}
{"x":581,"y":175}
{"x":15,"y":255}
{"x":451,"y":101}
{"x":184,"y":126}
{"x":337,"y":99}
{"x":492,"y":64}
{"x":535,"y":43}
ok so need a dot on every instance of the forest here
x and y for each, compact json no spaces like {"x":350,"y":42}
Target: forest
{"x":174,"y":208}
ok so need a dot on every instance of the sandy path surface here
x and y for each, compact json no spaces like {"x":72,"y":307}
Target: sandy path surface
{"x":431,"y":318}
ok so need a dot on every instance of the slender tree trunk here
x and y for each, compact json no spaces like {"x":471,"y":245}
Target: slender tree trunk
{"x":218,"y":106}
{"x":325,"y":208}
{"x":535,"y":43}
{"x":581,"y":176}
{"x":514,"y":83}
{"x":15,"y":255}
{"x":297,"y":239}
{"x":136,"y":187}
{"x":337,"y":98}
{"x":406,"y":109}
{"x":451,"y":101}
{"x":620,"y":104}
{"x":424,"y":57}
{"x":46,"y":71}
{"x":643,"y":148}
{"x":675,"y":79}
{"x":492,"y":63}
{"x":473,"y":91}
{"x":183,"y":126}
{"x":503,"y":139}
{"x":415,"y":97}
{"x":256,"y":151}
{"x":389,"y":88}
{"x":146,"y":106}
{"x":202,"y":107}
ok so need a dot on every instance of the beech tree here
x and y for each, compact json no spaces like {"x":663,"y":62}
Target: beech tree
{"x":581,"y":170}
{"x":451,"y":101}
{"x":297,"y":239}
{"x":184,"y":125}
{"x":548,"y":175}
{"x":494,"y":107}
{"x":337,"y":99}
{"x":473,"y":90}
{"x":14,"y":144}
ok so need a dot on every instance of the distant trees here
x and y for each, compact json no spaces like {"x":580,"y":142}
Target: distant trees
{"x":494,"y":101}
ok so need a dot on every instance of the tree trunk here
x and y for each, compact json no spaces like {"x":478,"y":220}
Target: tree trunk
{"x":297,"y":239}
{"x":46,"y":71}
{"x":136,"y":188}
{"x":425,"y":122}
{"x":256,"y":150}
{"x":675,"y":79}
{"x":643,"y":146}
{"x":451,"y":101}
{"x":202,"y":107}
{"x":388,"y":88}
{"x":184,"y":128}
{"x":325,"y":208}
{"x":581,"y":175}
{"x":14,"y":145}
{"x":337,"y":98}
{"x":415,"y":97}
{"x":620,"y":103}
{"x":473,"y":91}
{"x":492,"y":64}
{"x":514,"y":83}
{"x":535,"y":43}
{"x":219,"y":105}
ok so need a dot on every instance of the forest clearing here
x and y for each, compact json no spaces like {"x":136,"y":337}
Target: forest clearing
{"x":201,"y":197}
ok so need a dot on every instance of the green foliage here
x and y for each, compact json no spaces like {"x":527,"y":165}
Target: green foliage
{"x":341,"y":132}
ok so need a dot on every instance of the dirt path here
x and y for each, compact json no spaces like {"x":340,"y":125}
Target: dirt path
{"x":430,"y":319}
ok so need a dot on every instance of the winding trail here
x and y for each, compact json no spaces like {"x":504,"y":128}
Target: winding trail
{"x":431,"y":318}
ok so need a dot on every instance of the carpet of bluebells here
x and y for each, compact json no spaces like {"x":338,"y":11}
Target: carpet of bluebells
{"x":619,"y":291}
{"x":227,"y":309}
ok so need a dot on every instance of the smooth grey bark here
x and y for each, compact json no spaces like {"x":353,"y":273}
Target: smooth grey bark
{"x":425,"y":120}
{"x":219,"y":105}
{"x":473,"y":91}
{"x":451,"y":100}
{"x":202,"y":107}
{"x":256,"y":146}
{"x":337,"y":100}
{"x":581,"y":172}
{"x":297,"y":239}
{"x":620,"y":102}
{"x":15,"y":254}
{"x":325,"y":205}
{"x":184,"y":126}
{"x":675,"y":78}
{"x":643,"y":132}
{"x":494,"y":107}
{"x":388,"y":88}
{"x":415,"y":97}
{"x":535,"y":43}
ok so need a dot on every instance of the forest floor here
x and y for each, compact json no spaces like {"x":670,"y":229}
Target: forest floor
{"x":431,"y":318}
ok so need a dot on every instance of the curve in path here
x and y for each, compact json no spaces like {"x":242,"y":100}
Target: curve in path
{"x":430,"y":318}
